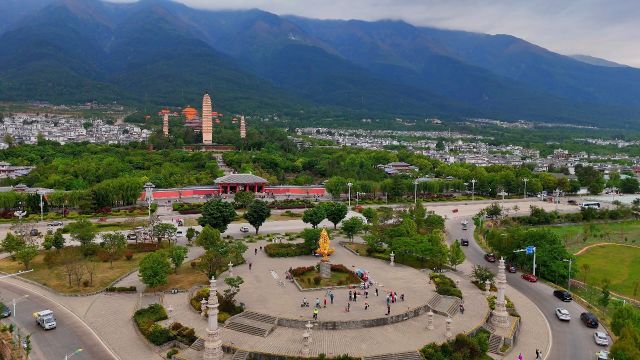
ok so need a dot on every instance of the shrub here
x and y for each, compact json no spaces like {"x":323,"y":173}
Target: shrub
{"x":445,"y":286}
{"x":225,"y":306}
{"x":128,"y":255}
{"x":194,"y":264}
{"x":143,"y":247}
{"x":299,"y":271}
{"x":85,"y":283}
{"x":121,"y":289}
{"x":172,"y":352}
{"x":223,"y":316}
{"x":316,"y":280}
{"x":159,"y":335}
{"x":285,"y":250}
{"x":146,"y":321}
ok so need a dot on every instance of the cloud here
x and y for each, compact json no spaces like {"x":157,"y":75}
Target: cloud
{"x":601,"y":28}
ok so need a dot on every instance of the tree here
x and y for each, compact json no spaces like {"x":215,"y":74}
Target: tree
{"x":481,"y":274}
{"x":154,"y":269}
{"x":493,"y":211}
{"x":314,"y":216}
{"x":257,"y":213}
{"x":83,"y":231}
{"x":58,"y":239}
{"x":47,"y":244}
{"x":629,"y":185}
{"x":217,"y":214}
{"x":26,"y":254}
{"x":310,"y":237}
{"x":234,"y":283}
{"x":244,"y":198}
{"x":456,"y":255}
{"x":164,"y":231}
{"x":370,"y":215}
{"x":336,"y":186}
{"x":209,"y":238}
{"x":12,"y":243}
{"x":597,"y":186}
{"x":335,"y":212}
{"x":191,"y":233}
{"x":177,"y":254}
{"x":605,"y":297}
{"x":352,"y":226}
{"x":114,"y":244}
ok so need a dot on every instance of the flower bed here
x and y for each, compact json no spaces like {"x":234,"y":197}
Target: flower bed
{"x":146,"y":319}
{"x":308,"y":277}
{"x":226,"y":309}
{"x":445,"y":286}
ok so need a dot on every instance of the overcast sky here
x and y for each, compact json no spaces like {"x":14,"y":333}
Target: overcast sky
{"x":604,"y":28}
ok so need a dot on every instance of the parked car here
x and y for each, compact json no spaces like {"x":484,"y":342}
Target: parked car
{"x":490,"y":258}
{"x":601,"y":338}
{"x":530,"y":277}
{"x":244,"y":229}
{"x":180,"y":232}
{"x":55,"y":223}
{"x":602,"y":355}
{"x":511,"y":268}
{"x":563,"y":295}
{"x":5,"y":312}
{"x":34,"y":232}
{"x":589,"y":319}
{"x":572,"y":202}
{"x":464,"y":242}
{"x":563,"y":314}
{"x":132,"y":236}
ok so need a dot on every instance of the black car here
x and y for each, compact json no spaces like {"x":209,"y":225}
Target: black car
{"x":4,"y":311}
{"x":464,"y":242}
{"x":589,"y":319}
{"x":562,"y":295}
{"x":490,"y":258}
{"x":511,"y":268}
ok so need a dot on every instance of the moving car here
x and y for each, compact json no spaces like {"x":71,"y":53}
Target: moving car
{"x":602,"y":355}
{"x":601,"y":338}
{"x":490,"y":258}
{"x":464,"y":242}
{"x":180,"y":232}
{"x":45,"y":319}
{"x":563,"y":295}
{"x":244,"y":229}
{"x":132,"y":236}
{"x":55,"y":223}
{"x":563,"y":314}
{"x":589,"y":320}
{"x":5,"y":312}
{"x":530,"y":277}
{"x":511,"y":268}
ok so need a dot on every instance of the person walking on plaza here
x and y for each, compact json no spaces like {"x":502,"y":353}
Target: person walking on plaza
{"x":317,"y":303}
{"x":366,"y":305}
{"x":255,"y":252}
{"x":366,"y":294}
{"x":388,"y":309}
{"x":250,"y":266}
{"x":462,"y":311}
{"x":315,"y":314}
{"x":355,"y":296}
{"x":376,"y":291}
{"x":350,"y":295}
{"x":331,"y":297}
{"x":520,"y":356}
{"x":325,"y":301}
{"x":538,"y":354}
{"x":348,"y":306}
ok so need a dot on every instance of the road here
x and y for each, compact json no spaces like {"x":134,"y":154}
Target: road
{"x":571,"y":340}
{"x":71,"y":333}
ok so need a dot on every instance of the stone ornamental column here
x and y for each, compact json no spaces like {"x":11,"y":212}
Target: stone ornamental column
{"x":500,"y":316}
{"x":392,"y":257}
{"x":306,"y":339}
{"x":487,"y":288}
{"x":213,"y":342}
{"x":430,"y":320}
{"x":203,"y":307}
{"x":447,"y":332}
{"x":230,"y":269}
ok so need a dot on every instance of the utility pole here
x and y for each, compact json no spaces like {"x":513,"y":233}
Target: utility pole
{"x":525,"y":187}
{"x":473,"y":189}
{"x":569,"y":281}
{"x":349,"y":185}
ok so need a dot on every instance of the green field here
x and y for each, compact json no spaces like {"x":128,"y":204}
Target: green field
{"x":618,"y":264}
{"x":576,"y":237}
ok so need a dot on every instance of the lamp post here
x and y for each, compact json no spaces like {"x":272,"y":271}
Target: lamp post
{"x":525,"y":187}
{"x":569,"y":281}
{"x":473,"y":189}
{"x":41,"y":193}
{"x":415,"y":192}
{"x":13,"y":302}
{"x":148,"y":187}
{"x":349,"y":185}
{"x":66,"y":357}
{"x":557,"y":192}
{"x":613,"y":193}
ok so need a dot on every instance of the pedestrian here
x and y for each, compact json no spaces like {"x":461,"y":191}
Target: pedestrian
{"x":255,"y":251}
{"x":366,"y":294}
{"x":348,"y":306}
{"x":325,"y":301}
{"x":317,"y":303}
{"x":366,"y":305}
{"x":376,"y":291}
{"x":538,"y":354}
{"x":462,"y":309}
{"x":355,"y":295}
{"x":520,"y":356}
{"x":260,"y":248}
{"x":315,"y":314}
{"x":401,"y":297}
{"x":250,"y":266}
{"x":389,"y":310}
{"x":350,"y":295}
{"x":331,"y":297}
{"x":388,"y":300}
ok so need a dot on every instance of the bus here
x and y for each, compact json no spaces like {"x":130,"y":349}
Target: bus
{"x":592,"y":204}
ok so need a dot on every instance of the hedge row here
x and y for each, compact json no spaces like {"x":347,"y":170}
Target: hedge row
{"x":445,"y":286}
{"x":121,"y":289}
{"x":285,"y":250}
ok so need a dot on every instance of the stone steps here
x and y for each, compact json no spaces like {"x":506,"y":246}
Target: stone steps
{"x":258,"y":317}
{"x":434,"y":301}
{"x":198,"y":345}
{"x":252,"y":323}
{"x":495,"y":342}
{"x":454,"y":308}
{"x":240,"y":355}
{"x":411,"y":355}
{"x":247,"y":329}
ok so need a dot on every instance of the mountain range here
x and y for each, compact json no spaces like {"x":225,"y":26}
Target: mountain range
{"x":165,"y":53}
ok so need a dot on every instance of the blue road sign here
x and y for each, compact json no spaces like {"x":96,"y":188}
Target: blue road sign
{"x":531,"y":249}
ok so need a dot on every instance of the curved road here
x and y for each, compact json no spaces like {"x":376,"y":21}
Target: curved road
{"x":570,"y":340}
{"x":71,"y":333}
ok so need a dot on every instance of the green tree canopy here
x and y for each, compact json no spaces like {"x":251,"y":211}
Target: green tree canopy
{"x":218,"y":214}
{"x":314,"y":216}
{"x":335,"y":212}
{"x":456,"y":255}
{"x":177,"y":254}
{"x":244,"y":198}
{"x":352,"y":226}
{"x":154,"y":269}
{"x":114,"y":244}
{"x":257,"y":213}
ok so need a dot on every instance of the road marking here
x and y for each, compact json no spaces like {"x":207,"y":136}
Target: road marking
{"x":111,"y":352}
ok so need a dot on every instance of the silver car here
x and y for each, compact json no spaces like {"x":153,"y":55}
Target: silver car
{"x":563,"y":314}
{"x":601,"y":338}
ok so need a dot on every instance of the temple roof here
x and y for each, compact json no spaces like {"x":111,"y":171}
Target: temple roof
{"x":240,"y":179}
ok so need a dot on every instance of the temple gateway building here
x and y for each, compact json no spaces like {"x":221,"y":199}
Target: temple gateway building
{"x":233,"y":183}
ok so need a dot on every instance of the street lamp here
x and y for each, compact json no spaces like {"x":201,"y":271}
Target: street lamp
{"x":41,"y":193}
{"x":415,"y":192}
{"x":569,"y":281}
{"x":13,"y":302}
{"x":148,"y":187}
{"x":66,"y":357}
{"x":529,"y":250}
{"x":525,"y":187}
{"x":473,"y":189}
{"x":557,"y":192}
{"x":349,"y":185}
{"x":613,"y":193}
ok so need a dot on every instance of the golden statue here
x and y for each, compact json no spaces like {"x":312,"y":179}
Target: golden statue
{"x":324,"y":248}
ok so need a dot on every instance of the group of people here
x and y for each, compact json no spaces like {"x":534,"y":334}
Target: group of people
{"x":391,"y":298}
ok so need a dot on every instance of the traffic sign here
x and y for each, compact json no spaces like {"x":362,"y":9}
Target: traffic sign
{"x":531,"y":249}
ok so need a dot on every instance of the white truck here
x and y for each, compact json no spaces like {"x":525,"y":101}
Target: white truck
{"x":45,"y":319}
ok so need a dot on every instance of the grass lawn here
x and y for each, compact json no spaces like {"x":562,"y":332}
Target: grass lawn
{"x":619,"y":264}
{"x":56,"y":278}
{"x":412,"y":261}
{"x":576,"y":237}
{"x":116,"y":226}
{"x":186,"y":278}
{"x":337,"y":279}
{"x":361,"y":249}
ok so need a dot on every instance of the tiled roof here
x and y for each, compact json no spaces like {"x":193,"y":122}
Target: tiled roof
{"x":240,"y":179}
